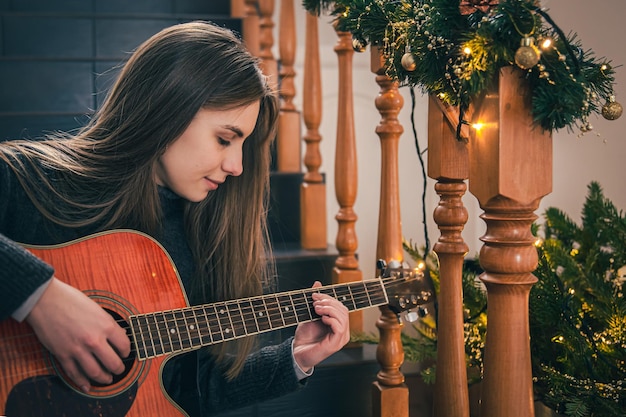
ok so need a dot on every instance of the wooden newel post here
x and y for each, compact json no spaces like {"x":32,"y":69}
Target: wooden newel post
{"x":510,"y":171}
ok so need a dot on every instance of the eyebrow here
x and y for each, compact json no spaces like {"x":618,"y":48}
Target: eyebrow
{"x":236,"y":130}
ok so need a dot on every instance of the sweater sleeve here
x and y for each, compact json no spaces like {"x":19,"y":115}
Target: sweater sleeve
{"x":198,"y":385}
{"x":21,"y":273}
{"x":267,"y":373}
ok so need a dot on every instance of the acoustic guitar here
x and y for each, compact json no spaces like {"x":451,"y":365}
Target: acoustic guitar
{"x":133,"y":278}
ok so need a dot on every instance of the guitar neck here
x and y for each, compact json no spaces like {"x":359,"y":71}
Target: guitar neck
{"x":184,"y":329}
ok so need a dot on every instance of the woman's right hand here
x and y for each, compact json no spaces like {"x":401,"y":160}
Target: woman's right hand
{"x":87,"y":342}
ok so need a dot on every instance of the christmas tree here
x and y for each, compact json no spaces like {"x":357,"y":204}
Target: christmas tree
{"x":578,"y":311}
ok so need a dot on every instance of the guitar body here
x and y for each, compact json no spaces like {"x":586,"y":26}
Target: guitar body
{"x":127,"y":273}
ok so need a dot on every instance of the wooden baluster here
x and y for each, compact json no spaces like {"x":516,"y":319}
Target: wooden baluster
{"x":346,"y":172}
{"x":313,"y":189}
{"x":510,"y":171}
{"x":288,"y":141}
{"x":269,"y":64}
{"x":237,"y":8}
{"x":448,"y":164}
{"x":250,"y":27}
{"x":390,"y":396}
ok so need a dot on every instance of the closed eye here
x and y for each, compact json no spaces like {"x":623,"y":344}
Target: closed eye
{"x":223,"y":142}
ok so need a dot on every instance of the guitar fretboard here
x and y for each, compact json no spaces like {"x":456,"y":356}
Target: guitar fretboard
{"x":189,"y":328}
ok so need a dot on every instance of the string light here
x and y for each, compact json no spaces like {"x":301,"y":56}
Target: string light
{"x":547,"y":42}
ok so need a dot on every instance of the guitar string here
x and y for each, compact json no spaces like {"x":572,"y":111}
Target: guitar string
{"x":303,"y":307}
{"x":131,"y":358}
{"x":276,"y":311}
{"x":191,"y":336}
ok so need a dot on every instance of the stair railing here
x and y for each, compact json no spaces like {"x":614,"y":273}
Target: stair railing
{"x":509,"y":170}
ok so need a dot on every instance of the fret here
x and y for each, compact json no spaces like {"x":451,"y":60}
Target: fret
{"x":367,"y":293}
{"x":191,"y":320}
{"x":249,"y":318}
{"x":204,"y":327}
{"x":145,"y":329}
{"x":173,"y":331}
{"x":236,"y":318}
{"x":303,"y":305}
{"x":226,"y":325}
{"x":159,"y":333}
{"x":268,"y":313}
{"x":171,"y":346}
{"x":344,"y":296}
{"x":287,"y":309}
{"x":379,"y":296}
{"x":140,"y":341}
{"x":153,"y":330}
{"x":360,"y":299}
{"x":164,"y":341}
{"x":183,"y":330}
{"x":217,"y":333}
{"x":261,"y":314}
{"x":275,"y":315}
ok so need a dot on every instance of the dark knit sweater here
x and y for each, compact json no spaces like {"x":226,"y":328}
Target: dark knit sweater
{"x":196,"y":383}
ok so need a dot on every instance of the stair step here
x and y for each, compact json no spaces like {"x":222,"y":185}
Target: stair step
{"x":120,"y":6}
{"x":56,"y":80}
{"x":284,"y":213}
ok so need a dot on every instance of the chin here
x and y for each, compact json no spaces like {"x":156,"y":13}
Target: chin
{"x":197,"y":198}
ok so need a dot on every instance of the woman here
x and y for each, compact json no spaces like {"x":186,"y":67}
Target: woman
{"x":179,"y":150}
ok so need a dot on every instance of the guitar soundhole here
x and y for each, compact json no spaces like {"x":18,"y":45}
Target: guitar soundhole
{"x":129,"y":361}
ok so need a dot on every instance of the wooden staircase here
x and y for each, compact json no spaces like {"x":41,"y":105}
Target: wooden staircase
{"x":58,"y":59}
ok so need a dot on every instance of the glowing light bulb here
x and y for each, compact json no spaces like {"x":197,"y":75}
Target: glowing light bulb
{"x":478,"y":126}
{"x":467,"y":50}
{"x":547,"y":42}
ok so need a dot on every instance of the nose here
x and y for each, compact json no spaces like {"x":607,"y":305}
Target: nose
{"x":233,"y":163}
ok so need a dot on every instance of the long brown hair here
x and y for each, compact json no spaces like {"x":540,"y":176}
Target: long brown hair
{"x":105,"y":172}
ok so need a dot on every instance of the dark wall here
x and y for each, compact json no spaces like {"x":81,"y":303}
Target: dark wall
{"x":58,"y":57}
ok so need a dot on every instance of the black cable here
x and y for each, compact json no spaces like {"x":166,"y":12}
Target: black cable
{"x":424,"y":176}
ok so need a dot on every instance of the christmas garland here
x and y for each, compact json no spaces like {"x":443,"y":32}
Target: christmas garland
{"x":453,"y":49}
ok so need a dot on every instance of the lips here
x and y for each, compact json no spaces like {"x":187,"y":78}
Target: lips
{"x":211,"y":183}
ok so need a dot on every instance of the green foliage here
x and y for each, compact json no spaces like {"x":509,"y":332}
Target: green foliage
{"x":578,"y":311}
{"x":568,"y":84}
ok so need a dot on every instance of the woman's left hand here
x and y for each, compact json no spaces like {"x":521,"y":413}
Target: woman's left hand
{"x":315,"y":341}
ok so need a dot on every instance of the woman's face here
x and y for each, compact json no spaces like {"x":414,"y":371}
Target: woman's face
{"x":207,"y":152}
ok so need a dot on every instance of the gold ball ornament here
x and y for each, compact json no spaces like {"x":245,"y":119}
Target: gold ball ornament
{"x":359,"y":45}
{"x":408,"y":62}
{"x":527,"y":55}
{"x":612,"y":109}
